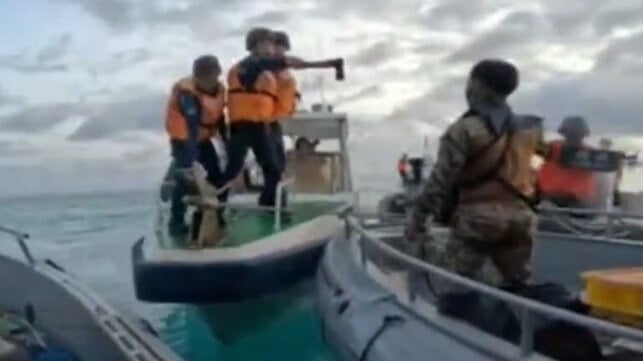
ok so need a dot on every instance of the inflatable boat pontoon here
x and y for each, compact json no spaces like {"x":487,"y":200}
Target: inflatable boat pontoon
{"x":260,"y":251}
{"x":40,"y":298}
{"x":376,"y":304}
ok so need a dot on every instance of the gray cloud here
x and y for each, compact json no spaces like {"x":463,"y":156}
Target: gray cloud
{"x":607,"y":95}
{"x":367,"y":92}
{"x":140,"y":113}
{"x":16,"y":148}
{"x":621,"y":53}
{"x":47,"y":59}
{"x":119,"y":14}
{"x":390,"y":12}
{"x":269,"y":18}
{"x":55,"y":50}
{"x":452,"y":15}
{"x":607,"y":99}
{"x":621,"y":14}
{"x":515,"y":32}
{"x":125,"y":15}
{"x":375,"y":54}
{"x":103,"y":120}
{"x":39,"y":118}
{"x":9,"y":99}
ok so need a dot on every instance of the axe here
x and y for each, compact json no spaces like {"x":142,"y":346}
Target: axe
{"x":337,"y":64}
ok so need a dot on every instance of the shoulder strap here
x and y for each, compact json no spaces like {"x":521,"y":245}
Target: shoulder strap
{"x":504,"y":135}
{"x":492,"y":173}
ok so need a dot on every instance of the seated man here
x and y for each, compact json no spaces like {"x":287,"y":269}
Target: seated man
{"x":311,"y":172}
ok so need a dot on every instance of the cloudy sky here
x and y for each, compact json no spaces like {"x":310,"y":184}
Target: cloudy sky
{"x":84,"y":81}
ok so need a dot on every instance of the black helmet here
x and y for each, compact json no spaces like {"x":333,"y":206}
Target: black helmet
{"x":574,"y":125}
{"x":257,"y":35}
{"x":282,"y":39}
{"x":499,"y":75}
{"x":205,"y":65}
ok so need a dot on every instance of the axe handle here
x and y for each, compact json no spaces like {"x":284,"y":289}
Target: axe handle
{"x":337,"y":64}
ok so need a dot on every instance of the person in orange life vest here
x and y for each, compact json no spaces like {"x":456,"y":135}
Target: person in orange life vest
{"x":403,"y":168}
{"x":564,"y":186}
{"x":252,"y":104}
{"x":194,"y":115}
{"x":252,"y":98}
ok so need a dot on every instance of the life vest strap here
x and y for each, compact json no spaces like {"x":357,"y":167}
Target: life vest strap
{"x":253,"y":91}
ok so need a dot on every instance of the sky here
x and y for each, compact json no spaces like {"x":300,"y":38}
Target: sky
{"x":83,"y":83}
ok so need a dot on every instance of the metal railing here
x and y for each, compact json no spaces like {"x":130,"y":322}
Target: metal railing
{"x":20,"y":238}
{"x":612,"y":226}
{"x":564,"y":217}
{"x":527,"y":308}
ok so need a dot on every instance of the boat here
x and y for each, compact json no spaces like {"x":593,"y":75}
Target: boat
{"x":260,"y":252}
{"x":599,"y":218}
{"x":378,"y":303}
{"x":45,"y":307}
{"x":419,"y":167}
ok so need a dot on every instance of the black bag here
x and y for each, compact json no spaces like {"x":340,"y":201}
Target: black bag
{"x":554,"y":338}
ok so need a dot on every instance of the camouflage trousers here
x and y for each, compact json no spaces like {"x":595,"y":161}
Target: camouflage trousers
{"x":503,"y":234}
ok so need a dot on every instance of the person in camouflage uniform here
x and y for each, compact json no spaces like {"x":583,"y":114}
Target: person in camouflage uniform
{"x":482,"y":184}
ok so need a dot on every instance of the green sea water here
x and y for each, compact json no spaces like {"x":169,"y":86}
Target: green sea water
{"x":91,"y":236}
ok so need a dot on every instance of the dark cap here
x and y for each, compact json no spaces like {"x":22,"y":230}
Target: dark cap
{"x":206,"y":65}
{"x":301,"y":141}
{"x":574,"y":125}
{"x":282,"y":39}
{"x":499,"y":75}
{"x":257,"y":35}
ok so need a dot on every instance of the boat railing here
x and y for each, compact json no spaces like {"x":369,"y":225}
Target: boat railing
{"x":527,"y":308}
{"x":607,"y":228}
{"x":599,"y":223}
{"x":20,"y":238}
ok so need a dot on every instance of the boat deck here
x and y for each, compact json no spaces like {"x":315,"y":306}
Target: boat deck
{"x":247,"y":226}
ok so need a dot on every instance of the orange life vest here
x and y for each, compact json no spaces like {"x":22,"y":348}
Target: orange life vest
{"x":403,"y":166}
{"x":286,"y":94}
{"x":508,"y":156}
{"x":556,"y":180}
{"x":254,"y":105}
{"x":211,"y":110}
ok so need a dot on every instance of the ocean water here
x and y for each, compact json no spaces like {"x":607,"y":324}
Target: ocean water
{"x":91,"y":235}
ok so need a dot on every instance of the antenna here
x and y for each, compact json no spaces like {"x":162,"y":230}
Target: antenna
{"x":320,"y":50}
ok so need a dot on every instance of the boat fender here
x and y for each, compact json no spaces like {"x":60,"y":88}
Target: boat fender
{"x":387,"y":321}
{"x":147,"y":326}
{"x":30,"y":313}
{"x":343,"y":306}
{"x":54,"y":265}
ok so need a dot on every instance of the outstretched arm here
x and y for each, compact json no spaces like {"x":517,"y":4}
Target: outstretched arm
{"x":252,"y":67}
{"x":299,"y":63}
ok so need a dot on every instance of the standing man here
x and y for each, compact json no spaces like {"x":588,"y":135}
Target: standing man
{"x":193,"y":116}
{"x":482,"y":183}
{"x":252,"y":99}
{"x":254,"y":102}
